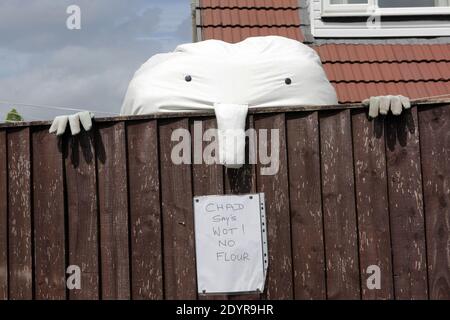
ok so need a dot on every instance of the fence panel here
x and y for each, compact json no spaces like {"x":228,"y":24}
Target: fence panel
{"x":306,"y":206}
{"x":178,"y":216}
{"x":372,"y":204}
{"x":207,"y":179}
{"x":83,"y":213}
{"x":406,"y":206}
{"x":276,"y":189}
{"x":20,"y":248}
{"x":48,"y":214}
{"x":242,"y":181}
{"x":3,"y":217}
{"x":113,"y":204}
{"x":341,"y":239}
{"x":348,"y":193}
{"x":145,"y":211}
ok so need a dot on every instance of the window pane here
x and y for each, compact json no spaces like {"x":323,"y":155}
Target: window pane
{"x":410,"y":3}
{"x":349,"y":1}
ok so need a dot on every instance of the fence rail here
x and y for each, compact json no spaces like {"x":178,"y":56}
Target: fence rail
{"x":349,"y":193}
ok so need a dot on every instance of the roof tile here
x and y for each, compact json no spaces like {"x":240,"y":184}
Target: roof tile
{"x":216,"y":18}
{"x":388,"y":72}
{"x":383,"y":53}
{"x":414,"y":90}
{"x":260,"y":4}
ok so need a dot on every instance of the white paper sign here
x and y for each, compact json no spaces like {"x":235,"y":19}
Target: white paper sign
{"x":231,"y":243}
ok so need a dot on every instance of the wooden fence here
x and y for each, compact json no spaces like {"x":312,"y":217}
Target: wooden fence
{"x":349,"y":193}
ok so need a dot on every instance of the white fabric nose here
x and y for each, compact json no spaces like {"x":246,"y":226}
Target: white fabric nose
{"x":231,"y":133}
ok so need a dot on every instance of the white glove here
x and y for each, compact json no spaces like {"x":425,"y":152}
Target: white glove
{"x":60,"y":123}
{"x":382,"y":105}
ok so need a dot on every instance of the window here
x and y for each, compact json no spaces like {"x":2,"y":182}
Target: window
{"x":345,"y":8}
{"x":379,"y":18}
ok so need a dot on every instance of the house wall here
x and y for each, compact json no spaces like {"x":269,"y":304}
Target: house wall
{"x":350,"y":193}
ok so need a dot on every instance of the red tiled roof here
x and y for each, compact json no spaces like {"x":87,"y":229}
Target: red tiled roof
{"x":235,"y":20}
{"x":383,"y":53}
{"x":361,"y":71}
{"x":357,"y":71}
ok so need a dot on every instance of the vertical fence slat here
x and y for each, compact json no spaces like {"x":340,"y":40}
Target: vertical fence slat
{"x":306,"y":206}
{"x":48,"y":215}
{"x":338,"y":197}
{"x":435,"y":152}
{"x":406,"y":206}
{"x":372,"y":203}
{"x":276,"y":189}
{"x":19,"y":217}
{"x":3,"y":218}
{"x":178,"y":218}
{"x":242,"y":181}
{"x":207,"y":179}
{"x":83,"y":216}
{"x":145,"y":211}
{"x":113,"y":200}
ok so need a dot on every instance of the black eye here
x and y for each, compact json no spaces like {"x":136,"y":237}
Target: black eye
{"x":188,"y":78}
{"x":288,"y":81}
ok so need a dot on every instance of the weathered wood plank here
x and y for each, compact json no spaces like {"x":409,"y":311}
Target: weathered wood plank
{"x":276,"y":188}
{"x":306,"y":206}
{"x":19,"y":215}
{"x":406,"y":206}
{"x":3,"y":217}
{"x":338,"y":196}
{"x":113,"y":204}
{"x":434,"y":124}
{"x":145,"y":211}
{"x":372,"y":204}
{"x":243,"y":181}
{"x":178,"y":218}
{"x":207,"y":178}
{"x":83,"y":216}
{"x":48,"y":214}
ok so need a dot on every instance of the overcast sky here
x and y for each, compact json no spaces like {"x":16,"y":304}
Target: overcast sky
{"x":42,"y":62}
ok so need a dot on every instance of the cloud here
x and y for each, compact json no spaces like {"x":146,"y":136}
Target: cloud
{"x":44,"y":63}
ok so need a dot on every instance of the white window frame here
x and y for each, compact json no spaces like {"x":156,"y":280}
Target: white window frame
{"x":362,"y":10}
{"x":423,"y":27}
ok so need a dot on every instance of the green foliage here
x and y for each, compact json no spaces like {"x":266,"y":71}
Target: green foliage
{"x":13,"y":116}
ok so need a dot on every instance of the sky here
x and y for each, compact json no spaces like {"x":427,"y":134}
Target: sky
{"x":44,"y":63}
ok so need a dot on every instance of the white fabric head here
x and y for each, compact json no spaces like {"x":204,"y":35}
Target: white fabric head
{"x":253,"y":72}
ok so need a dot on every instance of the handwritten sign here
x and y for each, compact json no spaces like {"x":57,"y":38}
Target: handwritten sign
{"x":231,"y":243}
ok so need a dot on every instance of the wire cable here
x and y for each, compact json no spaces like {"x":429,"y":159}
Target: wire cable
{"x":21,"y":104}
